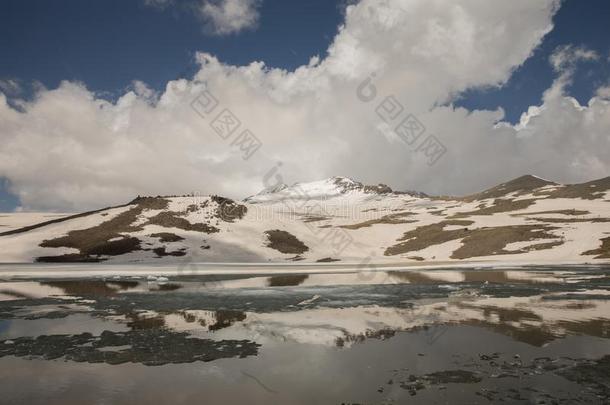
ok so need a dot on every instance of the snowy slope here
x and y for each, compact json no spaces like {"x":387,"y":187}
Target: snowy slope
{"x":16,"y":220}
{"x":335,"y":220}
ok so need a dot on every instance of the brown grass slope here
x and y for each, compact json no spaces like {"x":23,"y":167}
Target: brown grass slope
{"x":58,"y":221}
{"x":603,"y":252}
{"x":588,"y":191}
{"x":285,"y":242}
{"x":108,"y":239}
{"x":523,"y":185}
{"x":487,"y":241}
{"x":392,"y":219}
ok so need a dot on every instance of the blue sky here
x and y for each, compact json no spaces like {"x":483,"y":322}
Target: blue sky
{"x":106,"y":44}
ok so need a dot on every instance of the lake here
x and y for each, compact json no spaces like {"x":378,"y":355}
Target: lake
{"x":536,"y":335}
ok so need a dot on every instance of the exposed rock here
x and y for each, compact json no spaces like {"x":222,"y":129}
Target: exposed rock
{"x":285,"y":242}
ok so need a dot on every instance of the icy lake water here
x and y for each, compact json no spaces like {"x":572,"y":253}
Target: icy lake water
{"x":510,"y":335}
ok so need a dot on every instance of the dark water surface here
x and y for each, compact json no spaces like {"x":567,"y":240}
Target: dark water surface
{"x":524,"y":336}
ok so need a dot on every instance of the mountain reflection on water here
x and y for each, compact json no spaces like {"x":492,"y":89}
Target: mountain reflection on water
{"x":262,"y":321}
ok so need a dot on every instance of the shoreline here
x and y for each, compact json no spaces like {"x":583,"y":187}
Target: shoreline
{"x":87,"y":270}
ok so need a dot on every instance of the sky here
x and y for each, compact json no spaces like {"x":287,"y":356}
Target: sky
{"x":96,"y":97}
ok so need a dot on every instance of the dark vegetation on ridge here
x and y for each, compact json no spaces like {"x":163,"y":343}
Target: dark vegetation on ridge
{"x":588,"y":191}
{"x":58,"y":221}
{"x":522,"y":185}
{"x":398,"y":218}
{"x":603,"y":251}
{"x":107,"y":239}
{"x":475,"y":242}
{"x":165,"y":237}
{"x":228,"y":210}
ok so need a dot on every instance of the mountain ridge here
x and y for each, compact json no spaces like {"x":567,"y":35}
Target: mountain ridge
{"x":335,"y":219}
{"x":325,"y":188}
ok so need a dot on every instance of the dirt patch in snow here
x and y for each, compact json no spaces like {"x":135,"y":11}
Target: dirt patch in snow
{"x":327,"y":260}
{"x":108,"y":239}
{"x":475,"y":242}
{"x":561,"y":220}
{"x":573,"y":212}
{"x":103,"y":239}
{"x":570,"y":220}
{"x":314,"y":218}
{"x":492,"y":241}
{"x":285,"y":242}
{"x":165,"y":237}
{"x":162,"y":252}
{"x":499,"y":205}
{"x":392,"y":219}
{"x":521,"y":185}
{"x":228,"y":210}
{"x":428,"y":235}
{"x":603,"y":252}
{"x":144,"y":202}
{"x":587,"y":191}
{"x":151,"y":203}
{"x":169,"y":219}
{"x":378,"y":189}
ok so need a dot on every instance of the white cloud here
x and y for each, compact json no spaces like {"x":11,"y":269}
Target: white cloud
{"x":142,"y":90}
{"x":565,"y":57}
{"x":564,"y":61}
{"x":223,"y":17}
{"x":604,"y":92}
{"x":220,"y":17}
{"x":10,"y":87}
{"x":71,"y":150}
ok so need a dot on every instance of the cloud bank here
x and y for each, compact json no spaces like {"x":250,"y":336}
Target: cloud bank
{"x":70,"y":150}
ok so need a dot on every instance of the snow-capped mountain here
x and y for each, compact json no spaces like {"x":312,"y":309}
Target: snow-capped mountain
{"x":324,"y":190}
{"x":528,"y":219}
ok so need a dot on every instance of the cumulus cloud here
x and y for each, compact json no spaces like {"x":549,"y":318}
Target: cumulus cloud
{"x":564,"y":61}
{"x":68,"y":149}
{"x":224,"y":17}
{"x":563,"y":130}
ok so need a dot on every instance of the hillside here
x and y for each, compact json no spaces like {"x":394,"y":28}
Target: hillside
{"x":334,"y":220}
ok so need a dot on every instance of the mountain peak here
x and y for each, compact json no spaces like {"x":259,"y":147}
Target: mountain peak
{"x":531,"y":179}
{"x":331,"y":187}
{"x":522,"y":184}
{"x":527,"y":182}
{"x":274,"y":189}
